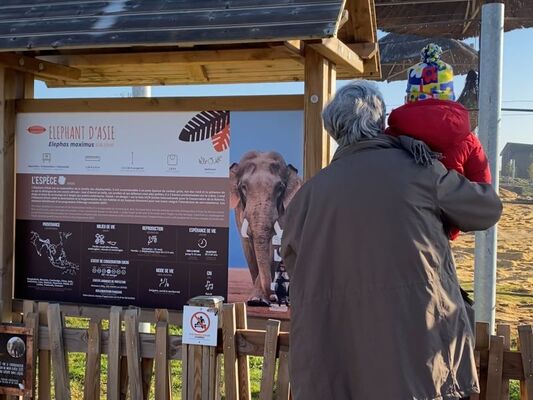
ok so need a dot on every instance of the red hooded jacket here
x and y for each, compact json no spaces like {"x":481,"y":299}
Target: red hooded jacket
{"x":445,"y":127}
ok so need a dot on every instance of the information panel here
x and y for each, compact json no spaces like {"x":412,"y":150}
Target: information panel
{"x":16,"y":360}
{"x":122,"y":208}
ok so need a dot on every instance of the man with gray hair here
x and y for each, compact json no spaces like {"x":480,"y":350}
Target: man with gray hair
{"x":377,"y":311}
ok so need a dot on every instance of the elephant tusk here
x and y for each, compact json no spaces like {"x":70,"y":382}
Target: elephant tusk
{"x":278,"y":229}
{"x":244,"y":228}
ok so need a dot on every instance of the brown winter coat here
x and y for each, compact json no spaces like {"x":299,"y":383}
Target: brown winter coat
{"x":377,"y":312}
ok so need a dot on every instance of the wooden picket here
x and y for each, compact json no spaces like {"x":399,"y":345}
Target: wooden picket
{"x":127,"y":348}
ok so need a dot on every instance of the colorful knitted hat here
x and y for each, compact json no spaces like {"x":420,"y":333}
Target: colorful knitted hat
{"x":430,"y":79}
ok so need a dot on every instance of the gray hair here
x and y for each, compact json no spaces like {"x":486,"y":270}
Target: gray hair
{"x":356,"y":112}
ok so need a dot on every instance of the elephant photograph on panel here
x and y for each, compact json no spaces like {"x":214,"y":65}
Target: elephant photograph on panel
{"x":265,"y":174}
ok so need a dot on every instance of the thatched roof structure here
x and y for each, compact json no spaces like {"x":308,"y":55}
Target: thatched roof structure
{"x":457,"y":19}
{"x":399,"y":52}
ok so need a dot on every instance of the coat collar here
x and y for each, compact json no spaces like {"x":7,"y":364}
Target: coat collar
{"x":417,"y":149}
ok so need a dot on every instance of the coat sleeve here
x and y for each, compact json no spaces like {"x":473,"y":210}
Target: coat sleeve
{"x":467,"y":205}
{"x":476,"y":166}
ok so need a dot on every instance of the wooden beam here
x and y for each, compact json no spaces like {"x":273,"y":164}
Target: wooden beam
{"x":198,"y":73}
{"x":365,"y":50}
{"x":232,"y":103}
{"x":38,"y":67}
{"x":337,"y":52}
{"x":316,"y":94}
{"x":201,"y":57}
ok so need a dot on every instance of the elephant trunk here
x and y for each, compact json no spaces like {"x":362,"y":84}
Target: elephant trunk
{"x":261,"y":227}
{"x":264,"y":255}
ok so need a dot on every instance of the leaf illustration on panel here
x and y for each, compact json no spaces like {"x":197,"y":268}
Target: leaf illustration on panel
{"x":204,"y":126}
{"x":221,"y":139}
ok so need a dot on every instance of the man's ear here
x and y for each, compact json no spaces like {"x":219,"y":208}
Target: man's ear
{"x":234,"y":198}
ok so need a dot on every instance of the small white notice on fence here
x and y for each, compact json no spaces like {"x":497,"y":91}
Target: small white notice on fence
{"x":200,"y":326}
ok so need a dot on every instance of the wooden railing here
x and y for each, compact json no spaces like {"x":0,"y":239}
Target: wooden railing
{"x":139,"y":362}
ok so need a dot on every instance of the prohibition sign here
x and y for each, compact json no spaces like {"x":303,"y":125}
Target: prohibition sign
{"x":200,"y":322}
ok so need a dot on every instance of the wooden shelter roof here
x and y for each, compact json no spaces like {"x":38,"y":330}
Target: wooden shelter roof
{"x":399,"y":52}
{"x":160,"y":42}
{"x":457,"y":19}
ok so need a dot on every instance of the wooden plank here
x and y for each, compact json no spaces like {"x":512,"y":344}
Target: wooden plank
{"x":339,"y":53}
{"x":237,"y":103}
{"x":525,"y":338}
{"x":283,"y":385}
{"x":174,"y":59}
{"x":131,"y":320}
{"x":161,"y":361}
{"x":113,"y":358}
{"x":58,"y":353}
{"x":38,"y":67}
{"x":229,"y":328}
{"x":31,"y":321}
{"x":205,"y":372}
{"x":365,"y":50}
{"x":495,"y":367}
{"x":163,"y":387}
{"x":251,"y":342}
{"x":242,"y":361}
{"x":482,"y":345}
{"x":44,"y":389}
{"x":124,"y":379}
{"x":505,"y":332}
{"x":213,"y":378}
{"x":147,"y":369}
{"x":315,"y":98}
{"x":269,"y":360}
{"x":102,"y":312}
{"x":184,"y":371}
{"x":91,"y":390}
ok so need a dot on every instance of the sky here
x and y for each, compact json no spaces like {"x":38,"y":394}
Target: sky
{"x":517,"y":88}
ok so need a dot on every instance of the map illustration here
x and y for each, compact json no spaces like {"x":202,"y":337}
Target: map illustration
{"x":55,"y":252}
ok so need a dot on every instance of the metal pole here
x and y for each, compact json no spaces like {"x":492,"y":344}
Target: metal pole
{"x":142,"y":91}
{"x":490,"y":102}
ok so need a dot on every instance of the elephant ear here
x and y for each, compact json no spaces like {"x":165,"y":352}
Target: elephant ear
{"x":294,"y":182}
{"x":234,"y":197}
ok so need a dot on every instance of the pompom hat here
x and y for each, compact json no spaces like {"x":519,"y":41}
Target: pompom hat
{"x":432,"y":78}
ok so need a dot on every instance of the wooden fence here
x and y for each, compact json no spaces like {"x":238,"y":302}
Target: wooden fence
{"x":138,"y":362}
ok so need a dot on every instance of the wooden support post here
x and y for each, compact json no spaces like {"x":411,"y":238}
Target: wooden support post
{"x":269,"y":359}
{"x":113,"y":357}
{"x":162,"y":370}
{"x":91,"y":390}
{"x":29,"y":86}
{"x":11,"y":88}
{"x":495,"y":367}
{"x":242,"y":361}
{"x":58,"y":353}
{"x":318,"y":88}
{"x":45,"y":373}
{"x":131,"y":319}
{"x":505,"y":332}
{"x":525,"y":338}
{"x":229,"y":327}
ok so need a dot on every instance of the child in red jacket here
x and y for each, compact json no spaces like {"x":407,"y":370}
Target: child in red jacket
{"x":431,"y":115}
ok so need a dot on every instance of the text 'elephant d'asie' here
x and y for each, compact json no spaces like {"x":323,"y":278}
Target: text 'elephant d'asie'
{"x":262,"y":185}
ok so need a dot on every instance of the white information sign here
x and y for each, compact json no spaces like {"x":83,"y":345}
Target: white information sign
{"x":200,"y":326}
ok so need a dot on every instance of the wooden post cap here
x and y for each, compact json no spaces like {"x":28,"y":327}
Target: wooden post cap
{"x":207,"y":301}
